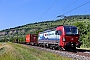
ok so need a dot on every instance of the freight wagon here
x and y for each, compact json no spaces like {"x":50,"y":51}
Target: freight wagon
{"x":31,"y":39}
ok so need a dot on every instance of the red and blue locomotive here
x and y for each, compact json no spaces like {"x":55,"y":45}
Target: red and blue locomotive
{"x":62,"y":37}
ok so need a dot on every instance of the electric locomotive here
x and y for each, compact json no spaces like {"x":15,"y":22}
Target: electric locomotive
{"x":62,"y":37}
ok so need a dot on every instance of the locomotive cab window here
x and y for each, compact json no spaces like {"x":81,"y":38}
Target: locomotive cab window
{"x":71,"y":30}
{"x":58,"y":32}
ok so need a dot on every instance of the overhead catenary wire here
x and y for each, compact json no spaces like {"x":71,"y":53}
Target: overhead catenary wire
{"x":48,"y":9}
{"x":74,"y":8}
{"x":67,"y":7}
{"x":77,"y":7}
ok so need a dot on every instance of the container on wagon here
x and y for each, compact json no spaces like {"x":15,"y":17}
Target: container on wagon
{"x":31,"y":39}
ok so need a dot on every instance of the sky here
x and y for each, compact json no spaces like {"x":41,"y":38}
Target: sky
{"x":15,"y":13}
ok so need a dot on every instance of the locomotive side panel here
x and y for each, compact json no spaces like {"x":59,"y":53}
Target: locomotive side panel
{"x":49,"y":37}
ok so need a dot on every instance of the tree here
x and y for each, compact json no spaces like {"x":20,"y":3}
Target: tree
{"x":81,"y":26}
{"x":82,"y":30}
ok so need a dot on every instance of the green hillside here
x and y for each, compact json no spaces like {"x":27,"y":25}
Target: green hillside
{"x":19,"y":32}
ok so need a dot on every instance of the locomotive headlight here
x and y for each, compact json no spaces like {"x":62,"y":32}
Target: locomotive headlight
{"x":72,"y":44}
{"x":63,"y":39}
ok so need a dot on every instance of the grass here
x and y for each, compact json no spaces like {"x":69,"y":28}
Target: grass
{"x":12,"y":51}
{"x":9,"y":53}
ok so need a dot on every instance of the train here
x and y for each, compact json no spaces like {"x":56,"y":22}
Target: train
{"x":61,"y":37}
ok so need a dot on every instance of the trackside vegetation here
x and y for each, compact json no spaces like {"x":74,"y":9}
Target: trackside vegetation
{"x":13,"y":51}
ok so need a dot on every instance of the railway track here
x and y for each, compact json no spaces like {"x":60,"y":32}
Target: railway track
{"x":81,"y":54}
